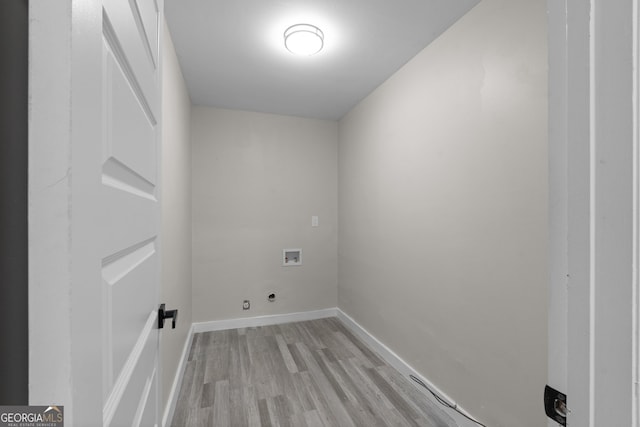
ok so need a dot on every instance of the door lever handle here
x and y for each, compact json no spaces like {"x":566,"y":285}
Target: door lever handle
{"x":167,"y":314}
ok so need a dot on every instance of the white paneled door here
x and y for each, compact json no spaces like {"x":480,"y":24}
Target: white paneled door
{"x":94,"y":213}
{"x":129,"y":211}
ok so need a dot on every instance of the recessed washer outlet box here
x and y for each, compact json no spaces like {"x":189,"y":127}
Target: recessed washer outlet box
{"x":291,"y":257}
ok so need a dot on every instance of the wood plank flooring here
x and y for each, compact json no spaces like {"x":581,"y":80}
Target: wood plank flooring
{"x":304,"y":374}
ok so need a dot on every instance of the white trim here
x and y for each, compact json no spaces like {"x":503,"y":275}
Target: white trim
{"x":246,"y":322}
{"x":122,"y":382}
{"x":592,"y":211}
{"x":404,"y":368}
{"x":177,"y":380}
{"x":635,"y":416}
{"x":558,"y":210}
{"x":144,"y":399}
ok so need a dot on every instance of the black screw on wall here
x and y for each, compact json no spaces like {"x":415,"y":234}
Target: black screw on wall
{"x":14,"y":79}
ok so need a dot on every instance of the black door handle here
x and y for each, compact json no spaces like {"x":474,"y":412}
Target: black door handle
{"x":167,"y":314}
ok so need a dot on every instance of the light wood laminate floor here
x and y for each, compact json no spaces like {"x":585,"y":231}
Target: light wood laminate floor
{"x":314,"y":373}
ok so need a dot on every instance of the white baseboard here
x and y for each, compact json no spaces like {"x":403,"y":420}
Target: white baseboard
{"x":246,"y":322}
{"x":403,"y":367}
{"x":177,"y":381}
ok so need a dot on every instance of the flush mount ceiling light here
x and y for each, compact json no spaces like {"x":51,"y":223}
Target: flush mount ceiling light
{"x":303,"y":39}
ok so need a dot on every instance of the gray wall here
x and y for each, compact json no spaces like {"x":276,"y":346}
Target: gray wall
{"x":443,"y":212}
{"x":257,"y":180}
{"x":176,"y":212}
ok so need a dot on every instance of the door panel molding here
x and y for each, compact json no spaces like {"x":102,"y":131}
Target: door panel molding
{"x":128,"y":384}
{"x":131,"y":54}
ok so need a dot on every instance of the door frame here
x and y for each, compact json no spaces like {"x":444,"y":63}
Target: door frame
{"x":593,"y":137}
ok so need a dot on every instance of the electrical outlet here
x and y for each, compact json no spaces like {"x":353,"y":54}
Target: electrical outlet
{"x":246,"y":305}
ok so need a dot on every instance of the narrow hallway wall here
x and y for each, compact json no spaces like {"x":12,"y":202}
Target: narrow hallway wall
{"x":443,"y":212}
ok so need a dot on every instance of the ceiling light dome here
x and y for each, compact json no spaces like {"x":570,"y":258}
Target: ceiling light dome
{"x":303,"y":39}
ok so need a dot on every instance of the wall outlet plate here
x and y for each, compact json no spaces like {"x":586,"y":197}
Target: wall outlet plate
{"x":246,"y":304}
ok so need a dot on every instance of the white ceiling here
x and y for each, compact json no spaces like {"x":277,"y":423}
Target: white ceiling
{"x":232,"y":51}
